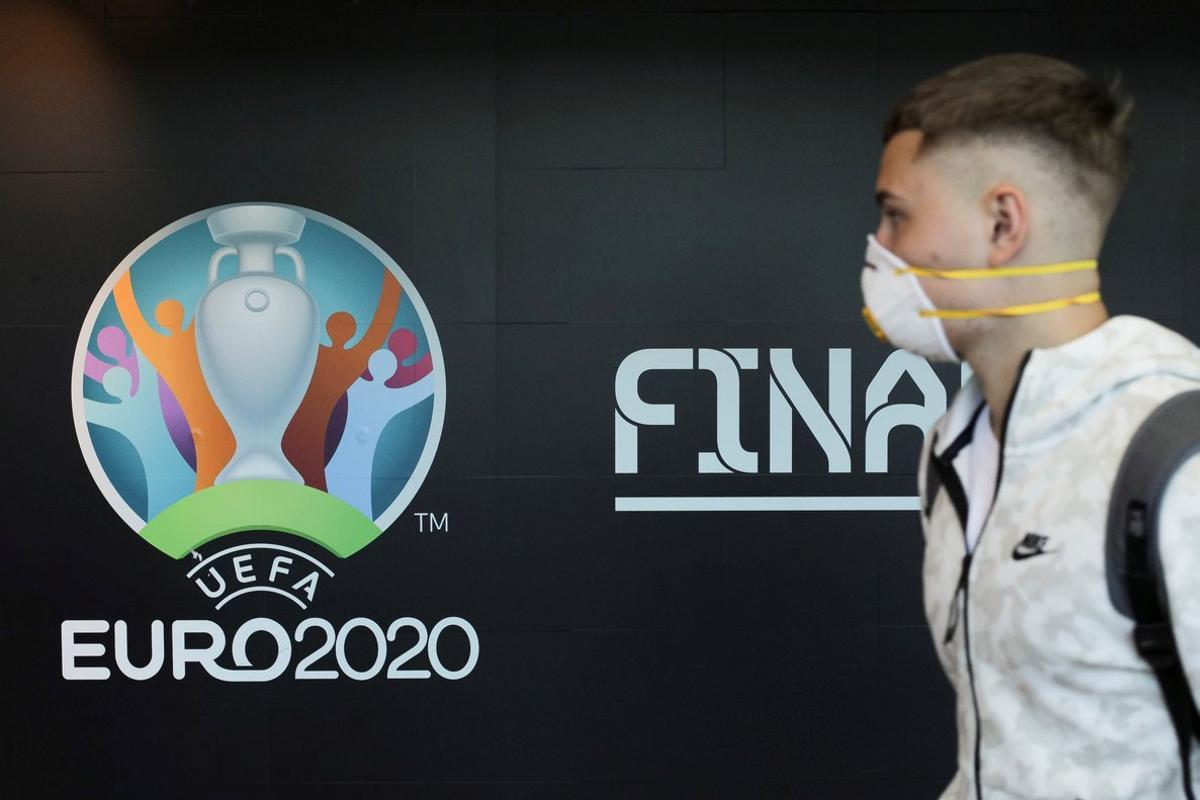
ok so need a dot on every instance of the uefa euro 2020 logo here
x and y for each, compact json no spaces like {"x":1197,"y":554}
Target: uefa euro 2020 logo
{"x":258,"y":367}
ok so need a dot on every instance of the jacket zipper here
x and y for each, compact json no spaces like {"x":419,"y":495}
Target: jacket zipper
{"x":944,"y":464}
{"x":964,"y":582}
{"x":952,"y":617}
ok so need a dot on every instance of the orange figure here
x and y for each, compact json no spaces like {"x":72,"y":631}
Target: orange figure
{"x":174,"y":356}
{"x":337,"y":368}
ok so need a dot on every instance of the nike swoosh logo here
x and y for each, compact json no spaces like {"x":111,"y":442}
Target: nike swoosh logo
{"x":1020,"y":553}
{"x":1033,"y":544}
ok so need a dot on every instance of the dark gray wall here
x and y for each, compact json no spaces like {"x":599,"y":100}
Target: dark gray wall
{"x":564,"y":187}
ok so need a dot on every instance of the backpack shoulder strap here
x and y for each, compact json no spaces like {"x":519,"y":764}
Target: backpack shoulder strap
{"x":1168,"y":436}
{"x":1165,"y":439}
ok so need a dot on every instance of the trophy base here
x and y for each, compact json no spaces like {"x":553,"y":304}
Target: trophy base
{"x":258,"y":465}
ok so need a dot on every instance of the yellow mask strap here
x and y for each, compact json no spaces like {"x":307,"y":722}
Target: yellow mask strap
{"x":873,"y":325}
{"x":1002,"y":272}
{"x":1013,"y":311}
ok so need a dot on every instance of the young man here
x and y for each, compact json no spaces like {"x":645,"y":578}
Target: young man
{"x":997,"y":182}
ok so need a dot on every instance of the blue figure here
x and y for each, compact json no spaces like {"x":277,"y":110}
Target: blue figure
{"x":371,"y":406}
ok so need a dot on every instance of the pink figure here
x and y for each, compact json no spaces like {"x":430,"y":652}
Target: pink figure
{"x":113,"y":343}
{"x":403,"y":344}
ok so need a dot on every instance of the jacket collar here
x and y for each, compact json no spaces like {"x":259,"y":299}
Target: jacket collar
{"x":1057,"y":384}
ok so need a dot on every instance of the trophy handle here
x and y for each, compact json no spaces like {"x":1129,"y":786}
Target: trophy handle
{"x":293,"y":254}
{"x":214,"y":263}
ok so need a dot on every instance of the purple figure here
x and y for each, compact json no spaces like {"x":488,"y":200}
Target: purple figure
{"x":403,"y":344}
{"x":337,"y":426}
{"x":177,"y":425}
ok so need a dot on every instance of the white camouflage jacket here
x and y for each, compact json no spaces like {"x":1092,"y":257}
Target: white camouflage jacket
{"x":1053,"y":701}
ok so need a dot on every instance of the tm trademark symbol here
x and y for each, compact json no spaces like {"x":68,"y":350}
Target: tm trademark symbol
{"x":428,"y":522}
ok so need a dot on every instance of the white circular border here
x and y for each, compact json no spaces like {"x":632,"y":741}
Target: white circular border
{"x":393,"y":511}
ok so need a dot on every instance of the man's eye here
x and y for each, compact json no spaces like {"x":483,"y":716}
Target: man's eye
{"x":892,"y":213}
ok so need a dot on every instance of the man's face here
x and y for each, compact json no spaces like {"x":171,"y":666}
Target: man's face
{"x":927,"y":221}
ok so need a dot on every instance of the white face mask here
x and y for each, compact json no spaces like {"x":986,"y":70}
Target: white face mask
{"x":894,"y":300}
{"x":900,"y":313}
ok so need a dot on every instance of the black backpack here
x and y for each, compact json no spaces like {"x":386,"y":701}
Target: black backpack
{"x":1169,"y":435}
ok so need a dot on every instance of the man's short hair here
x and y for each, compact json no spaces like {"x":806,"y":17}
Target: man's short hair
{"x":1080,"y":124}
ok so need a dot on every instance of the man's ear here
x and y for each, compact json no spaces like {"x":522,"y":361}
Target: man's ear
{"x":1008,"y":214}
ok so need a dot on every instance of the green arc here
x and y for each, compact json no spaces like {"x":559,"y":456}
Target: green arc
{"x":260,"y":505}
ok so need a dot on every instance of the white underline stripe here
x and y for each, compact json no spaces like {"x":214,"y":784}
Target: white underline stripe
{"x":249,"y":589}
{"x":760,"y":503}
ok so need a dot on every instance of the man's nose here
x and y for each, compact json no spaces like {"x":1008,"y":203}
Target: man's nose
{"x":881,"y":236}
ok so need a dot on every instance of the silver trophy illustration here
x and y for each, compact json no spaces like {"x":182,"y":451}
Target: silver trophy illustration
{"x":257,"y":336}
